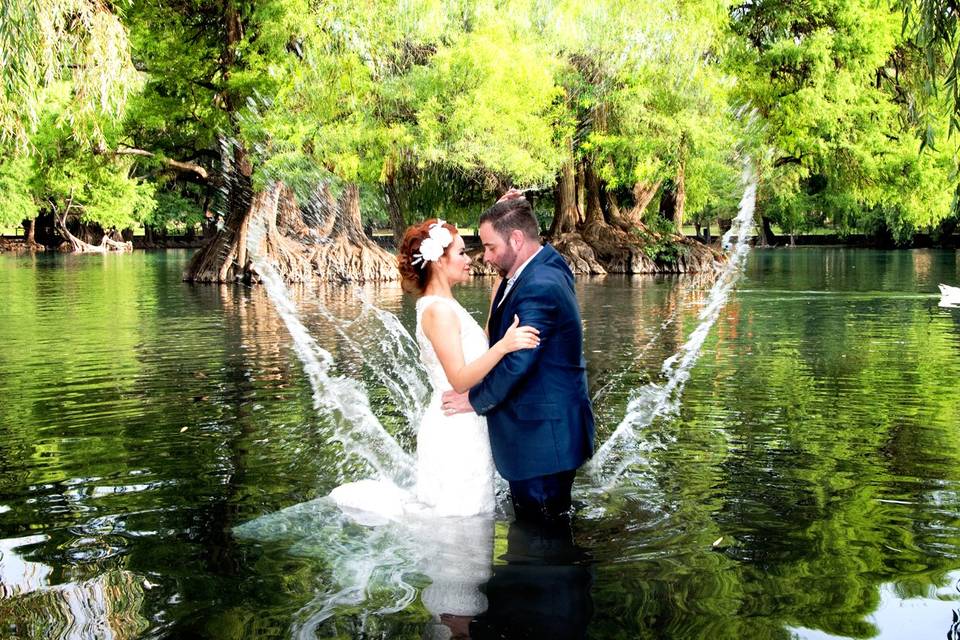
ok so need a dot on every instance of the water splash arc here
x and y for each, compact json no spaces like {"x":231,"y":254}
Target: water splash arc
{"x":360,"y":431}
{"x":343,"y":399}
{"x":381,"y":559}
{"x":625,"y":446}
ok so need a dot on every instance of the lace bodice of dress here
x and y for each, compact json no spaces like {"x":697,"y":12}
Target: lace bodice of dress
{"x":472,"y":337}
{"x":454,"y":464}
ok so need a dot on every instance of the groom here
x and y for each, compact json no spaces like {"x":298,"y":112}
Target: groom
{"x":535,"y":400}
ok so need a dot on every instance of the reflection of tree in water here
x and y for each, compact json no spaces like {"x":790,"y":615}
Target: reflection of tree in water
{"x":106,"y":606}
{"x":922,"y":264}
{"x":816,"y":512}
{"x":632,"y":324}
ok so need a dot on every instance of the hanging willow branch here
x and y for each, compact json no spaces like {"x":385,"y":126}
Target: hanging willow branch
{"x":42,"y":41}
{"x":933,"y":25}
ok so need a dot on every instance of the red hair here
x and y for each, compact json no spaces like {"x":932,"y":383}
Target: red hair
{"x":414,"y":277}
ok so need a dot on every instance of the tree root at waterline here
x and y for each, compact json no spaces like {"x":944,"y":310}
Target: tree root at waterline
{"x":346,"y":254}
{"x":601,"y":248}
{"x":330,"y":246}
{"x":73,"y":244}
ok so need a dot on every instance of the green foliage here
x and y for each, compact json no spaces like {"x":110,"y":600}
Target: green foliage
{"x":172,"y":209}
{"x":49,"y":40}
{"x":488,"y":103}
{"x":657,"y":241}
{"x":67,"y":178}
{"x":832,"y":84}
{"x":931,"y":25}
{"x":646,"y":87}
{"x":179,"y":109}
{"x":451,"y":101}
{"x":16,"y":198}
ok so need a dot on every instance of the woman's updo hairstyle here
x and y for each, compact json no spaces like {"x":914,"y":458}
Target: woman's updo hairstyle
{"x":414,"y":277}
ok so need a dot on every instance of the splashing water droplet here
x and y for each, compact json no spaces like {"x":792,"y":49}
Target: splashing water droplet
{"x":624,"y":448}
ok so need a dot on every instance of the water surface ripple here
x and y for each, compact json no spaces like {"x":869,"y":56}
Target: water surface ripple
{"x":808,"y":486}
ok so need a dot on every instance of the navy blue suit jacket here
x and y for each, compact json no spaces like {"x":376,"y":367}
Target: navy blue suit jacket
{"x":536,"y":400}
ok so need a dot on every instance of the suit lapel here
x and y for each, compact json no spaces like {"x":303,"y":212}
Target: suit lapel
{"x":496,"y":331}
{"x":499,"y":303}
{"x":537,"y":259}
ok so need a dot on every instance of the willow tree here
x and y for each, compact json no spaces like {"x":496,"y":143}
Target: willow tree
{"x":645,"y":98}
{"x":69,"y":59}
{"x":931,"y":27}
{"x":50,"y":40}
{"x":833,"y":88}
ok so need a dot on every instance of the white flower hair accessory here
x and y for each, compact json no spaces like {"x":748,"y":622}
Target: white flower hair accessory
{"x":434,"y":244}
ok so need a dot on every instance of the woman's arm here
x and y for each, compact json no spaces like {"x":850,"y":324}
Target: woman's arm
{"x":538,"y":307}
{"x":441,"y":326}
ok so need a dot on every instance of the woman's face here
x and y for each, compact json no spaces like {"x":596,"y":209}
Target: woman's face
{"x":455,"y":262}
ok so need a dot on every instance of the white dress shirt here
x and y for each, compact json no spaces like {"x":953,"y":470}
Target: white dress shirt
{"x":516,"y":274}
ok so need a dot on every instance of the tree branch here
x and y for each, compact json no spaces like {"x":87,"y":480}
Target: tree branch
{"x":186,"y":167}
{"x":785,"y":160}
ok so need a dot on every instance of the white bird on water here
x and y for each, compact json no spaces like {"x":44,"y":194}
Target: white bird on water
{"x":949,"y":296}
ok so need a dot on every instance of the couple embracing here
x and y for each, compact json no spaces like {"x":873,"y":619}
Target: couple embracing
{"x":525,"y":399}
{"x":518,"y":399}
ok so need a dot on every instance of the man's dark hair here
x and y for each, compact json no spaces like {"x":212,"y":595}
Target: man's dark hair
{"x":512,"y":214}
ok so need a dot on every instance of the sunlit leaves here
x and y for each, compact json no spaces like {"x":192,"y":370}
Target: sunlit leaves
{"x":489,"y":103}
{"x":43,"y":41}
{"x":833,"y":83}
{"x":16,"y":198}
{"x":63,"y":176}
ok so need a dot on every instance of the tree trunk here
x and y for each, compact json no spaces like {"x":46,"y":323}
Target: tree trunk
{"x":680,"y":195}
{"x":274,"y":217}
{"x":331,"y":246}
{"x":30,"y":229}
{"x":614,"y":213}
{"x":76,"y":245}
{"x":396,"y":206}
{"x":767,"y":237}
{"x":580,"y":189}
{"x":668,"y":201}
{"x":566,"y":213}
{"x":349,"y":255}
{"x":563,"y":232}
{"x":643,"y":193}
{"x":221,"y":259}
{"x":594,"y":214}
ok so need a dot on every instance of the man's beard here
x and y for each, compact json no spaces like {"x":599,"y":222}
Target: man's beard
{"x":506,"y":262}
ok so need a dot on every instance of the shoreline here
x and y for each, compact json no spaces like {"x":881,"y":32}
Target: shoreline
{"x":16,"y":244}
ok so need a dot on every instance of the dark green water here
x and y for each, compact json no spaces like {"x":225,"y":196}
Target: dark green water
{"x":809,"y":487}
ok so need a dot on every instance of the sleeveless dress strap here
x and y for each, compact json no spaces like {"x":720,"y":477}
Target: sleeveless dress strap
{"x":427,"y":301}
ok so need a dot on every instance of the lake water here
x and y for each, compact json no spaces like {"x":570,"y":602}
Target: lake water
{"x":162,"y":463}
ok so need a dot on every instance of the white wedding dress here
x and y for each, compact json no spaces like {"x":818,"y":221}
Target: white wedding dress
{"x":448,"y":517}
{"x":454,"y":464}
{"x":455,"y":472}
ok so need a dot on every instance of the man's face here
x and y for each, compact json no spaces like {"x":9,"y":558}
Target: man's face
{"x":497,"y":251}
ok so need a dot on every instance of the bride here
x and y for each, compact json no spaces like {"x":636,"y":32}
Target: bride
{"x":455,"y":472}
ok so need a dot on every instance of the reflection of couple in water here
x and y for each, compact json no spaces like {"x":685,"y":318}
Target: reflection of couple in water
{"x":516,"y":401}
